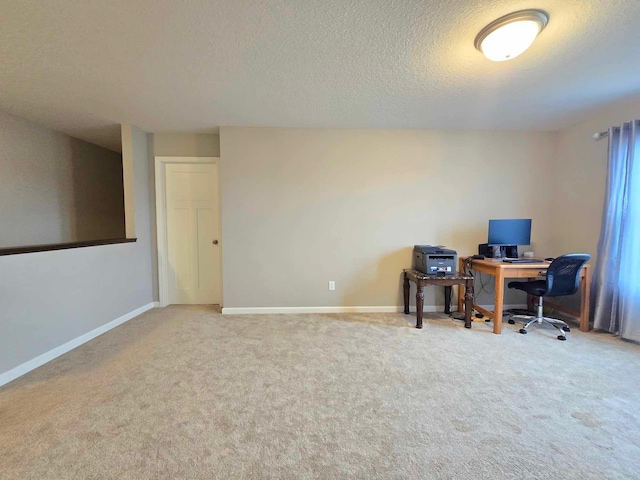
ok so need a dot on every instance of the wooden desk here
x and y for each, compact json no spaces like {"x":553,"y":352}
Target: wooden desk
{"x":502,"y":270}
{"x":422,"y":279}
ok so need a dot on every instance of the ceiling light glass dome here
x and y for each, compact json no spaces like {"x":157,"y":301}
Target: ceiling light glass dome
{"x":509,"y":36}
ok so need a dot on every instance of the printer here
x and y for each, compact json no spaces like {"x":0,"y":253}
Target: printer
{"x":434,"y":260}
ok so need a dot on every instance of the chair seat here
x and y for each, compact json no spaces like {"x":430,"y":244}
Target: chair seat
{"x":536,"y":287}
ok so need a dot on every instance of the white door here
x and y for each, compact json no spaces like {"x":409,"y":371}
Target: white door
{"x":193,"y":234}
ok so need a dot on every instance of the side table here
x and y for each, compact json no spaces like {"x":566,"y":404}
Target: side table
{"x":422,"y":279}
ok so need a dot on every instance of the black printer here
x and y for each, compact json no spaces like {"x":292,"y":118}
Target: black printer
{"x":434,"y":260}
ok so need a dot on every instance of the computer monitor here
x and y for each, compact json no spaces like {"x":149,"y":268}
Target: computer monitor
{"x":510,"y":232}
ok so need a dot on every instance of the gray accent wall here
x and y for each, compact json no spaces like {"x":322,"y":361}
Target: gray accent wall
{"x":55,"y":188}
{"x":50,"y":298}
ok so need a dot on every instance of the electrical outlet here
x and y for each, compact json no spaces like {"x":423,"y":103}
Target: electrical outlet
{"x":332,"y":285}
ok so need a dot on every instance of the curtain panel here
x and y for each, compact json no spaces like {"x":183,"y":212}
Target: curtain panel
{"x":616,"y":281}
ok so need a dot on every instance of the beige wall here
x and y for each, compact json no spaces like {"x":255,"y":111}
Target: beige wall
{"x":580,"y":179}
{"x":186,"y":145}
{"x":55,"y":188}
{"x":301,"y":207}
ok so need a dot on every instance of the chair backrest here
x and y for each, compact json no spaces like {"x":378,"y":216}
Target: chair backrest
{"x":563,"y":275}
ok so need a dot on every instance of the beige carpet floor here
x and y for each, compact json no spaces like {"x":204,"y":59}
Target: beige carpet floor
{"x":185,"y":393}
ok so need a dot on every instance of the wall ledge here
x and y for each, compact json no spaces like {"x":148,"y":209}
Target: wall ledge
{"x":63,"y":246}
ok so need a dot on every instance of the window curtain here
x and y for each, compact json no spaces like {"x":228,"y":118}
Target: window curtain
{"x":617,"y":274}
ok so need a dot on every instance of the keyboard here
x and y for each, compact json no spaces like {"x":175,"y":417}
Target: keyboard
{"x":522,"y":260}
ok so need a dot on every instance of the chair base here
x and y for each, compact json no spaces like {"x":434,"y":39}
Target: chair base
{"x":529,"y":320}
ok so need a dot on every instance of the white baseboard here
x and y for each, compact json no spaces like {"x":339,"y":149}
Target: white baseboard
{"x":360,"y":309}
{"x":40,"y":360}
{"x":270,"y":310}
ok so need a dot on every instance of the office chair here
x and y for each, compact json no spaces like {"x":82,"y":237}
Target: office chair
{"x":562,"y":278}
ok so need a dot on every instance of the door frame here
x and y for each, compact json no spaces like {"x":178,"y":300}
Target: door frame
{"x":161,"y":219}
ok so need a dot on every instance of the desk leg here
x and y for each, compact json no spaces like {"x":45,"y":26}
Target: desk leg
{"x":406,"y":294}
{"x":585,"y":294}
{"x":419,"y":305}
{"x":468,"y":302}
{"x":447,"y":300}
{"x":498,"y":302}
{"x":460,"y":293}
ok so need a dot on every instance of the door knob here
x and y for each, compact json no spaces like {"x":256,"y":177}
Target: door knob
{"x":215,"y":242}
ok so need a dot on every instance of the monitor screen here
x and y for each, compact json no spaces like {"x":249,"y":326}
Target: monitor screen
{"x":510,"y":232}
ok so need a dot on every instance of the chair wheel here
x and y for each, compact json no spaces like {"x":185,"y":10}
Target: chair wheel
{"x":523,"y":331}
{"x":511,"y":321}
{"x":566,"y":329}
{"x":562,"y":337}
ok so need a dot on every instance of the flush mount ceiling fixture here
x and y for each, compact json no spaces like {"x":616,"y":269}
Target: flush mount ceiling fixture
{"x":509,"y":36}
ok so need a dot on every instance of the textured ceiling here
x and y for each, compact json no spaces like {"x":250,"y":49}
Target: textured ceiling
{"x":83,"y":67}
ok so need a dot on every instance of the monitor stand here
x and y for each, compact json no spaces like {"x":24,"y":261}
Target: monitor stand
{"x":505,"y":251}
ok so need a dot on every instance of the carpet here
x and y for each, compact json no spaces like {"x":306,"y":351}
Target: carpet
{"x":186,"y":393}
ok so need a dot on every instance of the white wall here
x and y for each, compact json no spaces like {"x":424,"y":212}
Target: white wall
{"x":579,"y":181}
{"x":50,"y":298}
{"x":55,"y":188}
{"x":301,"y":207}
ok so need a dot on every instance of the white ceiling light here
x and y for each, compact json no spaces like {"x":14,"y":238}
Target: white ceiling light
{"x":509,"y":36}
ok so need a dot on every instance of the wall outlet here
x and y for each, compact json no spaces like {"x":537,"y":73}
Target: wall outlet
{"x":332,"y":285}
